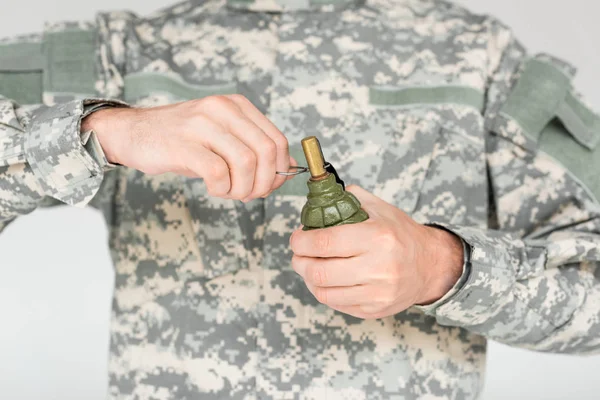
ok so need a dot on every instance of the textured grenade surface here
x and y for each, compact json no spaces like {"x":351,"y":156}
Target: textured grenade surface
{"x":329,"y":204}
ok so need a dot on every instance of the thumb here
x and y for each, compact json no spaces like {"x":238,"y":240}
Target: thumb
{"x":366,"y":198}
{"x":375,"y":206}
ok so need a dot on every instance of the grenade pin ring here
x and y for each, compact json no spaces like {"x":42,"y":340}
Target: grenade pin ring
{"x":293,"y":171}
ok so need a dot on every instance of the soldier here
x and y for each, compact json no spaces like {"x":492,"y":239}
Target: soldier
{"x":476,"y":163}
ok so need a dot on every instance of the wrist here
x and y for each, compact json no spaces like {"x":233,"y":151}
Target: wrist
{"x":111,"y":126}
{"x":445,"y":266}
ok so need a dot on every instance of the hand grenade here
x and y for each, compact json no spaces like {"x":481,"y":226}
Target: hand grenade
{"x":328,"y":203}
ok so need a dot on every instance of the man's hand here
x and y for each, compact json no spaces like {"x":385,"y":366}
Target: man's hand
{"x":379,"y":267}
{"x":223,"y":139}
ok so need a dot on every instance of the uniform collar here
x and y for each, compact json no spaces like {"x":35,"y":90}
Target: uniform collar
{"x":292,"y":5}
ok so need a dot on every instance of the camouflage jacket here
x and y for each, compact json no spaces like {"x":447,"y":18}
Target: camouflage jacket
{"x":432,"y":108}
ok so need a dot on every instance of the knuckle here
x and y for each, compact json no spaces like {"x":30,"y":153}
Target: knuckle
{"x":215,"y":190}
{"x":239,"y":98}
{"x":241,"y":191}
{"x":217,"y":172}
{"x":322,"y":241}
{"x":317,"y":275}
{"x":321,"y":295}
{"x":282,"y":143}
{"x":390,"y":274}
{"x":386,"y":299}
{"x":212,"y":191}
{"x":294,"y":242}
{"x":370,"y":309}
{"x":269,"y":150}
{"x":238,"y":193}
{"x":247,"y":159}
{"x":199,"y":121}
{"x":213,"y":102}
{"x":386,"y":239}
{"x":297,"y":263}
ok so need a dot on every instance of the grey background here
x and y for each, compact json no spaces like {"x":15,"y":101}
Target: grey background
{"x":56,"y":277}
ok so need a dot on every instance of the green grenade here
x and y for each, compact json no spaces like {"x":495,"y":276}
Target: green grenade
{"x":328,"y":204}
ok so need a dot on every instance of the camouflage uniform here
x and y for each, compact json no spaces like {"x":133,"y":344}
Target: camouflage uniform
{"x":438,"y":111}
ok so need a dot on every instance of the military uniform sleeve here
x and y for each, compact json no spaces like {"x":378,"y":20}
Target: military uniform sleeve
{"x":47,"y":86}
{"x":533,"y":279}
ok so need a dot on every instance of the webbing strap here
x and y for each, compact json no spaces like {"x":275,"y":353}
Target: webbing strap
{"x":544,"y":92}
{"x":414,"y":95}
{"x":142,"y":84}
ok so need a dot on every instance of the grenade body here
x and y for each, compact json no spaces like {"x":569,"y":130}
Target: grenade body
{"x":328,"y":204}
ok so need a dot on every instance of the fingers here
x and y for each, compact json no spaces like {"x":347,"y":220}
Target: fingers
{"x":372,"y":204}
{"x":331,"y":272}
{"x":293,"y":163}
{"x":361,"y":194}
{"x":365,"y":312}
{"x":264,"y":149}
{"x":253,"y":148}
{"x":212,"y":168}
{"x":282,"y":161}
{"x":359,"y":301}
{"x":241,"y":161}
{"x":337,"y":241}
{"x":339,"y":296}
{"x":195,"y":138}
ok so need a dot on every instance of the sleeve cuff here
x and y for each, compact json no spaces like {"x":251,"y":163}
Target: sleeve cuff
{"x":68,"y":165}
{"x":489,"y":274}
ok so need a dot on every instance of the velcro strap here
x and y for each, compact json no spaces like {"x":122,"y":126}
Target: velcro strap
{"x":58,"y":67}
{"x":542,"y":93}
{"x":25,"y":56}
{"x":580,"y":120}
{"x":426,"y":95}
{"x":582,"y":162}
{"x":290,"y":5}
{"x":141,"y":84}
{"x":21,"y":69}
{"x":70,"y":62}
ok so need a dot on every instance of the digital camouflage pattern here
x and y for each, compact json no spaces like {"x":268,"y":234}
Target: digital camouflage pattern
{"x":206,"y":304}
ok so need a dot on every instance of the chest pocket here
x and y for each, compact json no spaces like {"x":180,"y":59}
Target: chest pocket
{"x":408,"y":143}
{"x":216,"y":224}
{"x":433,"y":167}
{"x":395,"y":158}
